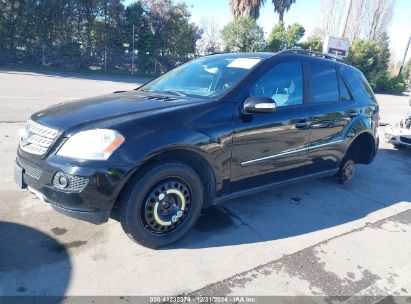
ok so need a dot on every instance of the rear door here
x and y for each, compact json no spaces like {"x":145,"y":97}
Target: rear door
{"x":333,"y":108}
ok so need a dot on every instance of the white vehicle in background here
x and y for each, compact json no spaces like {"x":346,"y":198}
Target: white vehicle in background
{"x":399,"y":133}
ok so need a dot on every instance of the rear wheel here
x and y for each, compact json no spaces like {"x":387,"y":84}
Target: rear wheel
{"x":347,"y":171}
{"x":161,"y":204}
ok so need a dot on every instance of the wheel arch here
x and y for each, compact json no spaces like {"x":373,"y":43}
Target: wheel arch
{"x":192,"y":157}
{"x":362,"y":148}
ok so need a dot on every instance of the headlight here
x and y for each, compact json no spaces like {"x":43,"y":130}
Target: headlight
{"x":96,"y":144}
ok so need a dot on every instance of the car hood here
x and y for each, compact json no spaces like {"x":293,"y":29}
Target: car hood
{"x":107,"y":110}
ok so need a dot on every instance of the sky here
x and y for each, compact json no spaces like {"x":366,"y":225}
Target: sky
{"x":305,"y":12}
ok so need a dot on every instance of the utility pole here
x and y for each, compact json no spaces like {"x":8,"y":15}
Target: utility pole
{"x":43,"y":58}
{"x":132,"y":56}
{"x":343,"y":25}
{"x":405,"y":55}
{"x":105,"y":58}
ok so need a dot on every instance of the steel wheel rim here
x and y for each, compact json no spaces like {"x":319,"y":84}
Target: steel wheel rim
{"x":166,"y":206}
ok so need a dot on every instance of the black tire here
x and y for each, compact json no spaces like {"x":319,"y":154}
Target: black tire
{"x":136,"y":216}
{"x":347,"y":171}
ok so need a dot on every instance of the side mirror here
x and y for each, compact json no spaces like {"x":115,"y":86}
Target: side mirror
{"x":256,"y":104}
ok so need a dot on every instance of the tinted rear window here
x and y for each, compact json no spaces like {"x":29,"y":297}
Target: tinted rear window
{"x":324,"y":83}
{"x":358,"y":84}
{"x":344,"y":93}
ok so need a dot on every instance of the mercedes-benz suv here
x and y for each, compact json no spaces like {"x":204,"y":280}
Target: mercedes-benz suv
{"x":213,"y":129}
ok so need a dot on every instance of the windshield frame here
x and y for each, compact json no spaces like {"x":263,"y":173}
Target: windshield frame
{"x":221,"y":94}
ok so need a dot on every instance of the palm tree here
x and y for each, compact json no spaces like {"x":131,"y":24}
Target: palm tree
{"x":282,"y":6}
{"x":246,"y":8}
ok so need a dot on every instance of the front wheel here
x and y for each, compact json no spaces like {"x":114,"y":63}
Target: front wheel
{"x":160,"y":205}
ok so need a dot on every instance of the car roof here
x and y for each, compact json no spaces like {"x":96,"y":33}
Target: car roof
{"x":292,"y":53}
{"x":261,"y":55}
{"x":296,"y":53}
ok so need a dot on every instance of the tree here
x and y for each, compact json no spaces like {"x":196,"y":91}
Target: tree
{"x":136,"y":15}
{"x":174,"y":36}
{"x":384,"y":54}
{"x":294,"y":34}
{"x":210,"y":39}
{"x":277,"y":38}
{"x":356,"y":19}
{"x":379,"y":18}
{"x":407,"y":70}
{"x":352,"y":19}
{"x":243,"y":35}
{"x":313,"y":43}
{"x":282,"y":6}
{"x":282,"y":37}
{"x":365,"y":56}
{"x":246,"y":8}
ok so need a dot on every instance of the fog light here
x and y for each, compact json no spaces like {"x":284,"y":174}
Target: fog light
{"x":69,"y":182}
{"x":61,"y":180}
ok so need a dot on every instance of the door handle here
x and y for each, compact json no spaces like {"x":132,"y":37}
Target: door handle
{"x":303,"y":124}
{"x":353,"y":114}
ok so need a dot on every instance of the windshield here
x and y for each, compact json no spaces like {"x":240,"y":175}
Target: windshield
{"x":205,"y":77}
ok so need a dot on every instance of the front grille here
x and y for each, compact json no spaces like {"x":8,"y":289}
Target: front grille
{"x":29,"y":169}
{"x":75,"y":184}
{"x":405,"y":139}
{"x":37,"y":138}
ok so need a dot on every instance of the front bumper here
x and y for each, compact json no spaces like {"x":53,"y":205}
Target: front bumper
{"x":90,"y":200}
{"x":398,"y":136}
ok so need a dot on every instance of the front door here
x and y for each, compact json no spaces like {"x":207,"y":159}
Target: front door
{"x":271,"y":147}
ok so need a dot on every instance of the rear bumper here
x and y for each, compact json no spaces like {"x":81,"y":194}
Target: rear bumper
{"x":91,"y":200}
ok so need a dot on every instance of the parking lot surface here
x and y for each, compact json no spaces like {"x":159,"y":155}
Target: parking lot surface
{"x":313,"y":238}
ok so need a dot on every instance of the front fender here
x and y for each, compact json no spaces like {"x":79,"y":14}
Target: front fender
{"x":212,"y":150}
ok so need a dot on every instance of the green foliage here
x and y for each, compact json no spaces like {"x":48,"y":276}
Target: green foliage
{"x":387,"y":84}
{"x":277,"y":38}
{"x":294,"y":34}
{"x":313,"y":43}
{"x":92,"y":34}
{"x":384,"y":54}
{"x":282,"y":38}
{"x":364,"y":55}
{"x":407,"y":70}
{"x":243,"y":35}
{"x":372,"y":58}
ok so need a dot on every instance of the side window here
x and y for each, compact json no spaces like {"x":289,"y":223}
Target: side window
{"x":344,"y":93}
{"x":324,"y":83}
{"x":283,"y":83}
{"x":358,"y":84}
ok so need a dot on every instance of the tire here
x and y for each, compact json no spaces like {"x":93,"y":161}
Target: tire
{"x":347,"y":171}
{"x":160,"y":204}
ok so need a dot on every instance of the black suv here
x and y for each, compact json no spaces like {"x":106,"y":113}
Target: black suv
{"x":213,"y":129}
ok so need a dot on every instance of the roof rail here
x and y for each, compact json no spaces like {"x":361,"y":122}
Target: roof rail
{"x":311,"y":53}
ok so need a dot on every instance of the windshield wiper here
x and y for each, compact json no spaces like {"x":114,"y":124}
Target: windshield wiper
{"x":175,"y":92}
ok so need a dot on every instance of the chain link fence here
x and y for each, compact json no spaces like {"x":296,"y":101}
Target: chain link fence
{"x":120,"y":60}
